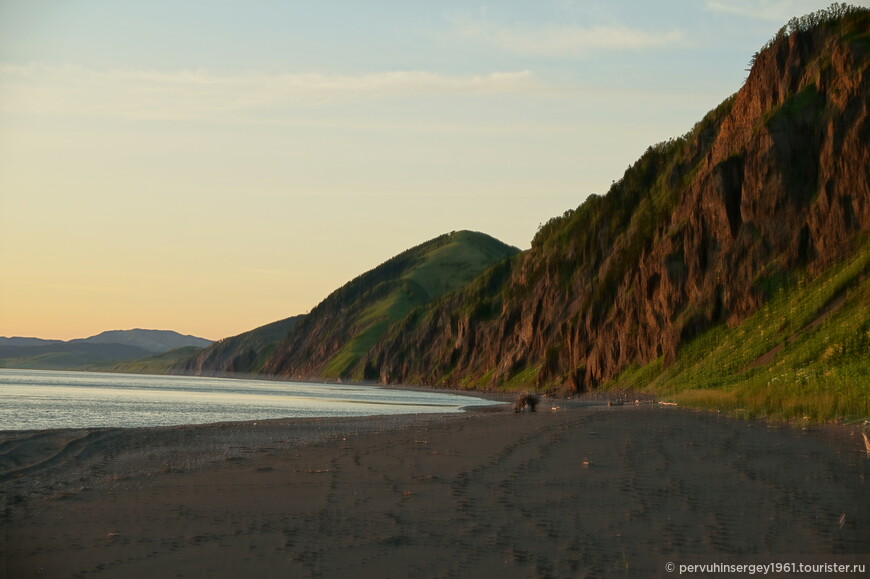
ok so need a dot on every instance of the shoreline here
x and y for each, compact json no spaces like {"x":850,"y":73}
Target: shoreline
{"x":583,"y":490}
{"x":39,"y":400}
{"x":627,"y":397}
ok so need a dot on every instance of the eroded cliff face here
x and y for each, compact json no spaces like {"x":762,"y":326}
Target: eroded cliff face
{"x":773,"y":181}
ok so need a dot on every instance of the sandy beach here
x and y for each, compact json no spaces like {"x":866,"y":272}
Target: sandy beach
{"x":583,"y":490}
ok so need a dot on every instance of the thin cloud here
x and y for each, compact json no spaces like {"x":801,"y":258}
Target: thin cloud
{"x":139,"y":94}
{"x":563,"y":41}
{"x":774,"y":10}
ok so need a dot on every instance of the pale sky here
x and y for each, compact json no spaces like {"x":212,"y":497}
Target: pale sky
{"x":212,"y":166}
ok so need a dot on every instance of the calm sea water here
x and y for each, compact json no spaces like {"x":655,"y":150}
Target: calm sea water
{"x":35,"y":399}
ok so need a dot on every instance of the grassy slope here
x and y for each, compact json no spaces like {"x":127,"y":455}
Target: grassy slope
{"x":51,"y":361}
{"x":804,"y":355}
{"x":156,"y":364}
{"x":443,"y":268}
{"x":70,"y":356}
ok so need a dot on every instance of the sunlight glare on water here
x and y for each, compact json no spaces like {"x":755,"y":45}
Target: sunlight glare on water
{"x":36,"y":400}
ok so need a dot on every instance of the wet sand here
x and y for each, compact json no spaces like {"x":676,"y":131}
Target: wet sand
{"x":582,"y":491}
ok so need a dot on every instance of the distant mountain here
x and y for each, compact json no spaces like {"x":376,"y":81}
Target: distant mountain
{"x":91,"y":353}
{"x":151,"y":340}
{"x":329,"y":342}
{"x":16,"y":341}
{"x":242,"y":354}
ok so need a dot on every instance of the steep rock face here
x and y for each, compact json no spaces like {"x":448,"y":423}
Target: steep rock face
{"x":698,"y":230}
{"x":242,"y":354}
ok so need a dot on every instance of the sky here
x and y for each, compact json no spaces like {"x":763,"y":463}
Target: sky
{"x":212,"y":166}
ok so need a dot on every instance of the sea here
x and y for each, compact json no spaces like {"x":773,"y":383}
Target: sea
{"x":40,"y":399}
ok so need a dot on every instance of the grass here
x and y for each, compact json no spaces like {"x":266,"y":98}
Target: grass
{"x":156,"y":364}
{"x":804,"y":355}
{"x":343,"y":362}
{"x":477,"y":383}
{"x":522,"y":380}
{"x":456,"y":263}
{"x":373,"y":322}
{"x":451,"y":263}
{"x":52,"y":361}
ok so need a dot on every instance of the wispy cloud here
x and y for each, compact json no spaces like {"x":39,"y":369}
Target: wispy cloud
{"x":563,"y":41}
{"x":140,"y":94}
{"x":774,"y":10}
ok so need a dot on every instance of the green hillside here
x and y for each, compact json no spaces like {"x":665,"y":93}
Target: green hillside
{"x":67,"y":356}
{"x":330,"y":342}
{"x":439,"y":269}
{"x":156,"y":364}
{"x":803,"y":355}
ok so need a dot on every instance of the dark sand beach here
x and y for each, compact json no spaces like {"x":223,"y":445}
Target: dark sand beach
{"x":578,"y":491}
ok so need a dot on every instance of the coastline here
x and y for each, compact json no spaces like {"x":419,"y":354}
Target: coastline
{"x":585,"y":489}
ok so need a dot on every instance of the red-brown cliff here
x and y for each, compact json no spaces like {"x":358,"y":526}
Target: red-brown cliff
{"x":773,"y":181}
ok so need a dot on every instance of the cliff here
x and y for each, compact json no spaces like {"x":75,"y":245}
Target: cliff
{"x":698,"y":232}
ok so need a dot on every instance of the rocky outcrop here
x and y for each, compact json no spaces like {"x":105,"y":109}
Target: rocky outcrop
{"x":698,"y":232}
